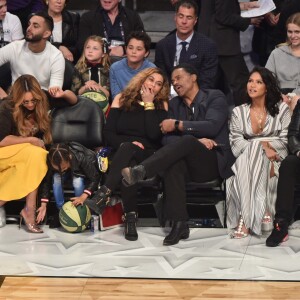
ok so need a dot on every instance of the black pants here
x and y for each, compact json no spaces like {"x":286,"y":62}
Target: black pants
{"x":179,"y":162}
{"x":127,"y":155}
{"x":236,"y":73}
{"x":289,"y":175}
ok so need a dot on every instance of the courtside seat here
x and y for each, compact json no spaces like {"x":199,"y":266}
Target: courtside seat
{"x":82,"y":123}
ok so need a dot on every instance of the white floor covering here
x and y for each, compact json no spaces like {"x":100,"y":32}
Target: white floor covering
{"x":207,"y":254}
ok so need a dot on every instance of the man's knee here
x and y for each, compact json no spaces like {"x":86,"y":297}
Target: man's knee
{"x":290,"y":164}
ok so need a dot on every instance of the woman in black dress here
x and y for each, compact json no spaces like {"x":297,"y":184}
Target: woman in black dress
{"x":133,"y":131}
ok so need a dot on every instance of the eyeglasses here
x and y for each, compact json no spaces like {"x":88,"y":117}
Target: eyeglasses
{"x":26,"y":102}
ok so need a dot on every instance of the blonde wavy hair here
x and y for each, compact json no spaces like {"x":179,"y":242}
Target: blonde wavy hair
{"x":130,"y":97}
{"x":82,"y":65}
{"x":28,"y":83}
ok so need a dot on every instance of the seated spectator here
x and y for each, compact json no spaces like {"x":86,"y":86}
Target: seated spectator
{"x":187,"y":46}
{"x":288,"y":8}
{"x":112,"y":21}
{"x":65,"y":31}
{"x":258,"y":139}
{"x":92,"y":69}
{"x":24,"y":131}
{"x":74,"y":161}
{"x":132,"y":130}
{"x":10,"y":26}
{"x":197,"y":147}
{"x":37,"y":57}
{"x":289,"y":176}
{"x":137,"y":50}
{"x":23,"y":8}
{"x":284,"y":61}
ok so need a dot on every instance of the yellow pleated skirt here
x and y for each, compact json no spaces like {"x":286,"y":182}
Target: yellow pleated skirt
{"x":22,"y":168}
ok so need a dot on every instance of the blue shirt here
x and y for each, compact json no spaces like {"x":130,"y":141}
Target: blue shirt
{"x":120,"y":74}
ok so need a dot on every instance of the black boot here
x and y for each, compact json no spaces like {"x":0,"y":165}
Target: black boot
{"x":130,"y":220}
{"x":180,"y":231}
{"x":100,"y":200}
{"x":132,"y":175}
{"x":279,"y":233}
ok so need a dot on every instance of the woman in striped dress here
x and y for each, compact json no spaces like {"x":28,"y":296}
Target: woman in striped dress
{"x":258,"y":139}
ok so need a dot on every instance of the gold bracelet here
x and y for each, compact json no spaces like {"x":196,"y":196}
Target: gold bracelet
{"x":149,"y":106}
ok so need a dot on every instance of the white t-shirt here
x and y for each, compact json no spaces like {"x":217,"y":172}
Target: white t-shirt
{"x":47,"y":67}
{"x":12,"y":28}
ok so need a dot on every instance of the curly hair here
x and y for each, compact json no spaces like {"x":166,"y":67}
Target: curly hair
{"x":81,"y":65}
{"x":130,"y":97}
{"x":58,"y":153}
{"x":273,"y":95}
{"x":28,"y":83}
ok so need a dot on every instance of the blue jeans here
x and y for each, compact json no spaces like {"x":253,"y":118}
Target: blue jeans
{"x":77,"y":182}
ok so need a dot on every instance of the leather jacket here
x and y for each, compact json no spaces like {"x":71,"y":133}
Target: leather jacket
{"x":70,"y":26}
{"x":294,"y":131}
{"x":83,"y":164}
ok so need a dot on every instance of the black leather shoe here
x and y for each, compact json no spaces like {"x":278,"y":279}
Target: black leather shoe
{"x":133,"y":175}
{"x":180,"y":231}
{"x":99,"y":200}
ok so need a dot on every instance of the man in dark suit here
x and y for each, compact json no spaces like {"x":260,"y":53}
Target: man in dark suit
{"x":199,"y":50}
{"x":196,"y":147}
{"x":112,"y":21}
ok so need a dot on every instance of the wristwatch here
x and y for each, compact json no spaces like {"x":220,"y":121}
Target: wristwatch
{"x":176,"y":125}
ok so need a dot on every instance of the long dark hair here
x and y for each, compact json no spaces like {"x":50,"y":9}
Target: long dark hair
{"x":273,"y":95}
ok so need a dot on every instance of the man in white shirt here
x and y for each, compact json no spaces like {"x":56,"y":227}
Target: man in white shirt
{"x":10,"y":26}
{"x":35,"y":55}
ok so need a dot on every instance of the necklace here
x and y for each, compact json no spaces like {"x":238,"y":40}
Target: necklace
{"x":259,"y":117}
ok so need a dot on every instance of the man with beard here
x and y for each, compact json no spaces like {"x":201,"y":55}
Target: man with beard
{"x":35,"y":55}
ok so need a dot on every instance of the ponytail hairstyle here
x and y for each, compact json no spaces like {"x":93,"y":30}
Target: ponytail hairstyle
{"x":58,"y":153}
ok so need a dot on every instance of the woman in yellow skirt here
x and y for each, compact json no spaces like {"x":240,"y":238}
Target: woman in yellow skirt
{"x":24,"y":131}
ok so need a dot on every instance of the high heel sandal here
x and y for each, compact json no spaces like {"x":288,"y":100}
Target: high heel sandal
{"x":239,"y":233}
{"x":31,"y":227}
{"x":267,"y":224}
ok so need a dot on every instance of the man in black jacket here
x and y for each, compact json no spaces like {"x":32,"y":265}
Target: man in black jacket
{"x":289,"y":175}
{"x":112,"y":21}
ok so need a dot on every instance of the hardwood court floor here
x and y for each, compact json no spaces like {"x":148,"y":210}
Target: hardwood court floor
{"x":95,"y":288}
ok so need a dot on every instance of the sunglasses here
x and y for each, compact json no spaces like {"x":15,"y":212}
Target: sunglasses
{"x":26,"y":102}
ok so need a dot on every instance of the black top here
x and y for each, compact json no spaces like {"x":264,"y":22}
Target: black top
{"x":7,"y":124}
{"x":70,"y":26}
{"x":91,"y":23}
{"x":138,"y":125}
